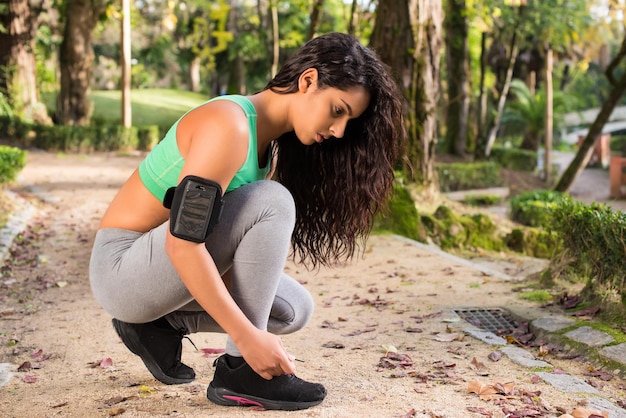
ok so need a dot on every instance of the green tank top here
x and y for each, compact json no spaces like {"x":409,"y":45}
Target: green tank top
{"x":162,"y":166}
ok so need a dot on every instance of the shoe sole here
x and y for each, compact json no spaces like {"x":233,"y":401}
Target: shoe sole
{"x":131,"y":341}
{"x":225,"y":397}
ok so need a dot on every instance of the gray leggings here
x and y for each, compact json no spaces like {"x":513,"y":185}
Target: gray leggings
{"x":133,"y":279}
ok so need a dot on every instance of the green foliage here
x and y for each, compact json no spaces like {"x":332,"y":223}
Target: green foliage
{"x":533,"y":242}
{"x":514,"y":158}
{"x":468,"y":176}
{"x":402,"y":217}
{"x":594,"y":238}
{"x":618,"y":144}
{"x":5,"y":106}
{"x":535,"y":208}
{"x":106,"y":137}
{"x":12,"y":161}
{"x":527,"y":112}
{"x":482,"y":200}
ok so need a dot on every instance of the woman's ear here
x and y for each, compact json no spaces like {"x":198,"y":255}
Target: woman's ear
{"x":307,"y":80}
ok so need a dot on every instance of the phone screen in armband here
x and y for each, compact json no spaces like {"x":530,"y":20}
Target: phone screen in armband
{"x":195,"y":211}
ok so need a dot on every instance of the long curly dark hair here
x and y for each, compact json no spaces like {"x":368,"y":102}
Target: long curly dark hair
{"x":339,"y":186}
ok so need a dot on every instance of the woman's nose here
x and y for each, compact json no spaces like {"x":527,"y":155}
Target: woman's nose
{"x":338,"y":129}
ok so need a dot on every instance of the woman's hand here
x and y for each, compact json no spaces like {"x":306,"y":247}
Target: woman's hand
{"x":265,"y":353}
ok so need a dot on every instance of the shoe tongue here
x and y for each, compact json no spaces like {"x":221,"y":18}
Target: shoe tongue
{"x":233,"y":362}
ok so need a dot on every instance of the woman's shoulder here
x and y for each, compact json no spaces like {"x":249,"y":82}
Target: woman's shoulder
{"x":225,"y":116}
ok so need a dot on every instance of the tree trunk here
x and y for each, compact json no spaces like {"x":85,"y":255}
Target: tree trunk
{"x":18,"y":77}
{"x":408,"y":37}
{"x":194,"y":74}
{"x":586,"y":148}
{"x":352,"y":18}
{"x":547,"y":165}
{"x":236,"y":64}
{"x":316,"y":18}
{"x":76,"y":58}
{"x":125,"y":64}
{"x":458,"y":74}
{"x":503,"y":95}
{"x":481,"y":145}
{"x":275,"y":37}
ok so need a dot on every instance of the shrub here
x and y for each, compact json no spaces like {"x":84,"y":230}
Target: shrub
{"x":533,"y":242}
{"x":535,"y":208}
{"x":468,"y":176}
{"x":104,"y":137}
{"x":594,"y":237}
{"x":12,"y":161}
{"x":449,"y":230}
{"x":515,"y":158}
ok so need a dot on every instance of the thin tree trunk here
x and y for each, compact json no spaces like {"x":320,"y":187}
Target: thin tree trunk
{"x":194,"y":74}
{"x":458,"y":73}
{"x":503,"y":95}
{"x":586,"y":147}
{"x":549,"y":118}
{"x":352,"y":18}
{"x":479,"y":152}
{"x":275,"y":37}
{"x":316,"y":18}
{"x":125,"y":64}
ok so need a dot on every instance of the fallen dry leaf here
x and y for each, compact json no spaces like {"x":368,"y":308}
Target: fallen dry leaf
{"x":332,"y":344}
{"x":480,"y":411}
{"x":479,"y":367}
{"x":29,"y":378}
{"x":24,"y":367}
{"x":484,"y":391}
{"x":208,"y":352}
{"x":589,"y":413}
{"x":117,"y":411}
{"x":448,"y":338}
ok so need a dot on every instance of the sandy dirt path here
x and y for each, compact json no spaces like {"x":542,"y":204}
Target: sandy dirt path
{"x":398,"y":296}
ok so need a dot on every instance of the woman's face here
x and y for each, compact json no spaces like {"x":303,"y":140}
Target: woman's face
{"x":321,"y":114}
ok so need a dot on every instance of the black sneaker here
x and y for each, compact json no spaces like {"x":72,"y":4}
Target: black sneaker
{"x":242,"y":386}
{"x":160,"y":347}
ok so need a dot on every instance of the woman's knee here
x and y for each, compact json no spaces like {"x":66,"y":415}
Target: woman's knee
{"x":275,"y":199}
{"x":288,"y":316}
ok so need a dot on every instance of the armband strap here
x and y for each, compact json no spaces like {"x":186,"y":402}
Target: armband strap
{"x":195,"y":208}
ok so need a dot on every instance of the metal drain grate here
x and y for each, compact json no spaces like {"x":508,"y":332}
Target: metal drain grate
{"x":495,"y":320}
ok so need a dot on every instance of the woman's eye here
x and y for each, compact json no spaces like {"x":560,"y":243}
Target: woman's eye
{"x":338,"y":111}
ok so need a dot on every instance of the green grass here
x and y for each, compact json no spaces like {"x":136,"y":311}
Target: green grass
{"x":541,"y":296}
{"x":149,"y":106}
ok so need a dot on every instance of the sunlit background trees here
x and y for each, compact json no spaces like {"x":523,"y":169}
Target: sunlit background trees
{"x":456,"y":60}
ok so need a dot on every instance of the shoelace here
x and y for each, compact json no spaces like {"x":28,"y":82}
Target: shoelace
{"x":189,"y":339}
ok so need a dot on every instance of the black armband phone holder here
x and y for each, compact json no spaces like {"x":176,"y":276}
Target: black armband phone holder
{"x":195,"y":208}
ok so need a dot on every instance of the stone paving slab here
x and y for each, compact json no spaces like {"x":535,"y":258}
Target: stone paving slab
{"x":522,"y":357}
{"x":553,"y":323}
{"x":16,"y":223}
{"x":602,"y":404}
{"x":567,"y":383}
{"x":590,"y":336}
{"x":616,"y":353}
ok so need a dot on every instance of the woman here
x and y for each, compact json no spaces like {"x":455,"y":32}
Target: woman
{"x":197,"y":238}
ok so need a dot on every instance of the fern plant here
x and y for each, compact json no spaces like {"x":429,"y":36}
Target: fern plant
{"x":526,"y":112}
